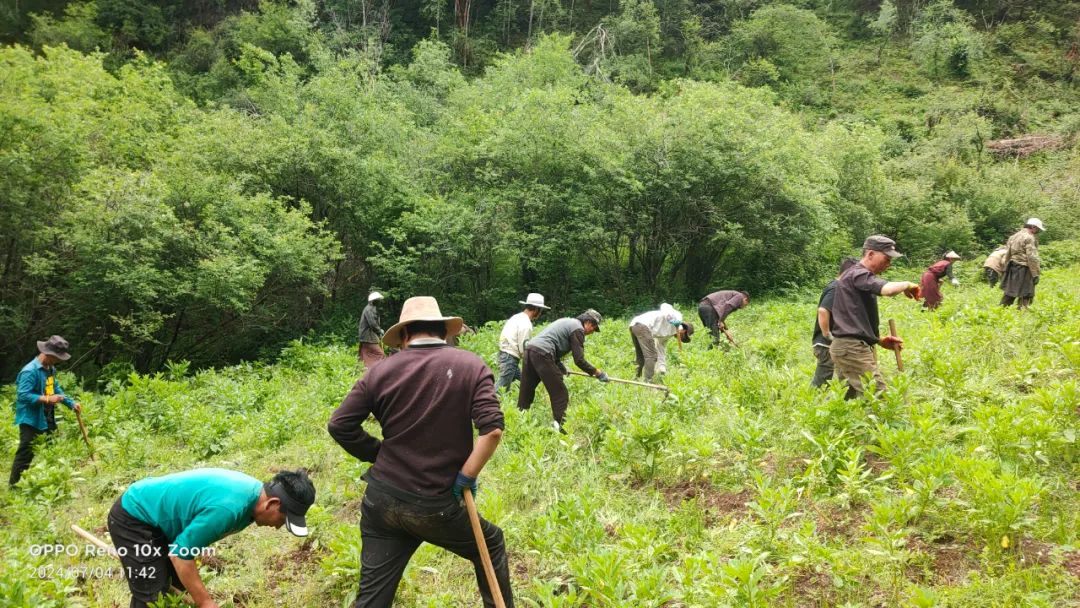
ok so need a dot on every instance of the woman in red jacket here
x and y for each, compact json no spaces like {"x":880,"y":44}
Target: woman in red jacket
{"x":932,"y":278}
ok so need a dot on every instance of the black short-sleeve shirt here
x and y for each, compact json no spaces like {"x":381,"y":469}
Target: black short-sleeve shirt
{"x":855,"y":307}
{"x":826,"y":302}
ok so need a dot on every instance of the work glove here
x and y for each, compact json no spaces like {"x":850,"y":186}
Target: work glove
{"x":463,"y":481}
{"x":1035,"y":281}
{"x":955,"y":282}
{"x":892,"y":343}
{"x":602,"y":377}
{"x":914,"y":292}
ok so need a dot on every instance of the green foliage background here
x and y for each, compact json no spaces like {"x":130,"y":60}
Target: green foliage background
{"x":745,"y":487}
{"x":207,"y":181}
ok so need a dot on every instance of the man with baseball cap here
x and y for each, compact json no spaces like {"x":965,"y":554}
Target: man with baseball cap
{"x":1021,"y":262}
{"x":427,"y":398}
{"x":513,"y":337}
{"x":854,"y":320}
{"x":161,"y":524}
{"x":543,"y":362}
{"x":36,"y":394}
{"x":371,"y":333}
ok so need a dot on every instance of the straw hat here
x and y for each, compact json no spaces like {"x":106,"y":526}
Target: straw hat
{"x":420,"y":308}
{"x":952,"y":255}
{"x":374,"y":296}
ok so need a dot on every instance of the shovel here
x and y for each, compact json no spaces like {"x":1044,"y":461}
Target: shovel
{"x":489,"y":570}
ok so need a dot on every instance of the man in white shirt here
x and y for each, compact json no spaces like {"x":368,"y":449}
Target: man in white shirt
{"x":512,"y":340}
{"x":650,"y":332}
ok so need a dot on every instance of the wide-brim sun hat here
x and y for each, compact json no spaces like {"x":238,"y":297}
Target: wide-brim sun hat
{"x":420,"y":308}
{"x":534,"y":299}
{"x":55,"y":346}
{"x":952,"y":255}
{"x":374,"y":296}
{"x":1036,"y":222}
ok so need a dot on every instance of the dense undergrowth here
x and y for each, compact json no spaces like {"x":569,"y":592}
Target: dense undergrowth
{"x":745,"y":487}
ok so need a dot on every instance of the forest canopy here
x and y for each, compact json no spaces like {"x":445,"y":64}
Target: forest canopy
{"x":206,"y":181}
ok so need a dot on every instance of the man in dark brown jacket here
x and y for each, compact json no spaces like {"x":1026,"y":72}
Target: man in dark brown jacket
{"x":426,"y":398}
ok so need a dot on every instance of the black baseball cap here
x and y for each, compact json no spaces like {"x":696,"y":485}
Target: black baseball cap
{"x":296,"y":493}
{"x":882,"y":243}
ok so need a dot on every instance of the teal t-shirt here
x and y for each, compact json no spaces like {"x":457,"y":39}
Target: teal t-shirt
{"x":194,"y":508}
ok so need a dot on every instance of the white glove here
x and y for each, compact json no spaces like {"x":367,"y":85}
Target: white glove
{"x":955,"y":282}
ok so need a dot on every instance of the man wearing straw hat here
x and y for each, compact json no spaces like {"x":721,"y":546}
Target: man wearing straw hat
{"x":543,"y":362}
{"x":427,"y":399}
{"x":36,"y":394}
{"x":515,"y":334}
{"x":370,"y":332}
{"x":1021,"y":264}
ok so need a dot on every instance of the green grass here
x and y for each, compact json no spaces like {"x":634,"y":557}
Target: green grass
{"x":744,"y":488}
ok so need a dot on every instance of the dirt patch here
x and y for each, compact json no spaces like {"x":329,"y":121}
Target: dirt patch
{"x":297,"y":559}
{"x":720,"y":501}
{"x":950,"y":560}
{"x":839,"y":523}
{"x":812,"y":588}
{"x":876,"y":463}
{"x":1035,"y":552}
{"x":1072,"y":563}
{"x":213,"y":562}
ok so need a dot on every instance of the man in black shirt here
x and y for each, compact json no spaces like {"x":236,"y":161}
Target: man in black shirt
{"x":822,"y":329}
{"x":855,"y":314}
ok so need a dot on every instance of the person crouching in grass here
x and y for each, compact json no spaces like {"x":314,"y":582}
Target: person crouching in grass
{"x":161,"y":524}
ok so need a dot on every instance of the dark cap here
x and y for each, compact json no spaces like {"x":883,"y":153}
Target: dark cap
{"x":591,"y":315}
{"x":296,"y":493}
{"x":688,"y":330}
{"x":882,"y":243}
{"x":54,"y":346}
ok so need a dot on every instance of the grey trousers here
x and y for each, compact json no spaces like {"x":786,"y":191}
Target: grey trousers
{"x":645,"y":352}
{"x":825,"y":370}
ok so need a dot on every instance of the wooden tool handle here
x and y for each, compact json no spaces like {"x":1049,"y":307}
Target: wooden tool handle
{"x":86,"y":438}
{"x":896,"y":351}
{"x":489,"y":570}
{"x":659,"y":387}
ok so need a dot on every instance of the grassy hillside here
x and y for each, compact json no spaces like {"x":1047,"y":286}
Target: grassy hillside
{"x":745,"y":487}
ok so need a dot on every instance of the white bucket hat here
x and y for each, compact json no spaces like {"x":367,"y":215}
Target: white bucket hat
{"x":1036,"y":222}
{"x":374,"y":296}
{"x":420,"y":308}
{"x":534,"y":299}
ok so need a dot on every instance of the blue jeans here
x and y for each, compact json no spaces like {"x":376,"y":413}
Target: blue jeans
{"x":509,"y":370}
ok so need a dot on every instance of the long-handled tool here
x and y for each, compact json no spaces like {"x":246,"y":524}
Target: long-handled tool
{"x":659,"y":387}
{"x":727,"y":334}
{"x":489,"y":570}
{"x":892,"y":332}
{"x":86,"y":438}
{"x":100,"y":544}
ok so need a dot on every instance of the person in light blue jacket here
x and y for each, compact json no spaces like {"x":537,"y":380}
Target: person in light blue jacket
{"x":37,"y":393}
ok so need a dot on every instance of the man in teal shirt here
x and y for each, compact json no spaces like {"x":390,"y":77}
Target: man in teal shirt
{"x":161,"y":524}
{"x":37,"y":393}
